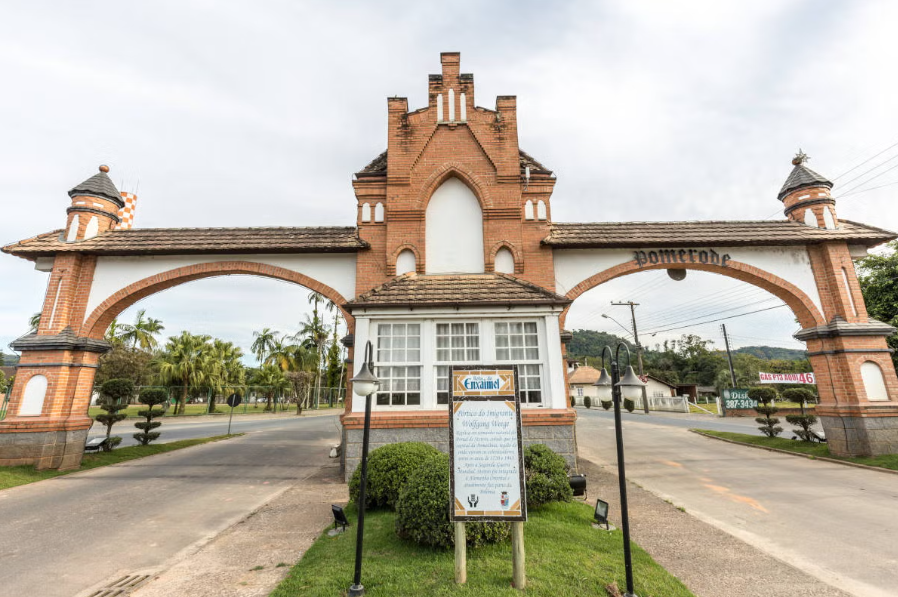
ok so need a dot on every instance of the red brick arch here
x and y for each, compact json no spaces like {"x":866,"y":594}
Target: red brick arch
{"x":801,"y":304}
{"x":419,"y":263}
{"x":98,"y":321}
{"x":515,"y":252}
{"x":461,"y":172}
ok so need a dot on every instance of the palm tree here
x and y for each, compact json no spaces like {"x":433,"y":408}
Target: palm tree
{"x":34,"y":322}
{"x":223,"y":369}
{"x":142,"y":332}
{"x":314,"y":334}
{"x":272,"y":379}
{"x":114,"y":333}
{"x":264,"y":343}
{"x":182,"y":363}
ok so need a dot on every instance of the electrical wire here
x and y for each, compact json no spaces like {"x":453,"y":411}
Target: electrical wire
{"x":865,"y":162}
{"x":865,"y":190}
{"x":869,"y":171}
{"x":720,"y":319}
{"x":736,"y":308}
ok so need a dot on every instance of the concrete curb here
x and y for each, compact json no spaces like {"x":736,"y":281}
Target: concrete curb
{"x":808,"y":456}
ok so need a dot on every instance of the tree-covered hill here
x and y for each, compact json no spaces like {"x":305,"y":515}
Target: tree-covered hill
{"x":773,"y":352}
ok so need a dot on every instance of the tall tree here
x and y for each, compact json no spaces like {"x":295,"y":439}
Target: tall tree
{"x":263,"y":343}
{"x":878,"y":276}
{"x":181,"y":363}
{"x":142,"y":333}
{"x":272,"y":382}
{"x":223,"y":369}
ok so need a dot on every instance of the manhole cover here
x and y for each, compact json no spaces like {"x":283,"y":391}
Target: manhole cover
{"x":123,"y":586}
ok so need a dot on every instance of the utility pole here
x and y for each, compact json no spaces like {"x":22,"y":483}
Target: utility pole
{"x":726,"y":341}
{"x":632,"y":305}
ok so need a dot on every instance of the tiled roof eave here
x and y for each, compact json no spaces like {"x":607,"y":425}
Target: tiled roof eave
{"x":458,"y":303}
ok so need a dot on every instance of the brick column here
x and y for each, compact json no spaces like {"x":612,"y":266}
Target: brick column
{"x":860,"y":416}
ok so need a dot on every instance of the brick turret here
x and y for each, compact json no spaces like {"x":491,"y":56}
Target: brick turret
{"x":95,"y":208}
{"x":806,"y":196}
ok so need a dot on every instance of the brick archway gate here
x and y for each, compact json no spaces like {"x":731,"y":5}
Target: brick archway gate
{"x":62,"y":357}
{"x":835,"y":350}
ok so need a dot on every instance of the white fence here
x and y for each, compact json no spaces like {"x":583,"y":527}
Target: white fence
{"x":671,"y":404}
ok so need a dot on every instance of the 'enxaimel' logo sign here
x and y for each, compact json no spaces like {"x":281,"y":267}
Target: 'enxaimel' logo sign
{"x":487,"y":382}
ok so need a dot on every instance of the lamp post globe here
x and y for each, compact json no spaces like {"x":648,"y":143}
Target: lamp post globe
{"x":365,"y":382}
{"x":630,"y":385}
{"x":603,"y":386}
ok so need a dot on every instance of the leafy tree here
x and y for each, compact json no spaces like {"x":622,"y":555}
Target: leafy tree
{"x":272,"y":380}
{"x":114,"y":396}
{"x":181,"y":364}
{"x":878,"y":277}
{"x":151,"y":397}
{"x":769,"y":424}
{"x":142,"y":333}
{"x":125,"y":363}
{"x":302,"y":387}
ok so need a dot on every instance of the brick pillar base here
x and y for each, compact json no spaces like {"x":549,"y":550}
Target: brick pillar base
{"x":44,"y":449}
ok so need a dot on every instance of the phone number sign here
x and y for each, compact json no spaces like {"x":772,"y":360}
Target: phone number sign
{"x":485,"y":455}
{"x":737,"y":399}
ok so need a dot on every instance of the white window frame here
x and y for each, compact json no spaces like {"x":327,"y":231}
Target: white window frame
{"x":380,"y":365}
{"x":437,"y":363}
{"x":542,"y":352}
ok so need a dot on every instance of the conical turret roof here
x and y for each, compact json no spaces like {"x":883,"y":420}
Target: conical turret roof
{"x":802,"y":177}
{"x":99,"y":185}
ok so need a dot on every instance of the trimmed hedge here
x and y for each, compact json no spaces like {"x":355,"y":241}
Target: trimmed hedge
{"x":629,"y":405}
{"x":423,"y":509}
{"x":587,"y":402}
{"x":389,"y":467}
{"x":545,"y":473}
{"x":606,"y":404}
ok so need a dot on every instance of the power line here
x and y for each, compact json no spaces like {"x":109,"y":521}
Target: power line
{"x":720,"y":319}
{"x":865,"y":190}
{"x":869,"y":171}
{"x":727,"y":297}
{"x":865,"y":161}
{"x":714,"y":313}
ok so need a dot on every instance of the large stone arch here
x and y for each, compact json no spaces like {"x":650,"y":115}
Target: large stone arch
{"x":798,"y":301}
{"x":98,"y":321}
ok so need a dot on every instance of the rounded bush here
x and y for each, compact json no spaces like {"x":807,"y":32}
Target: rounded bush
{"x":422,"y":513}
{"x":629,"y":405}
{"x":545,"y":473}
{"x":389,"y":467}
{"x":587,"y":402}
{"x":762,"y":394}
{"x":606,"y":404}
{"x":573,"y":402}
{"x":799,"y":395}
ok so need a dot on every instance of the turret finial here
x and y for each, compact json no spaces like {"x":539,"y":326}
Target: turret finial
{"x":800,"y":158}
{"x":104,"y":168}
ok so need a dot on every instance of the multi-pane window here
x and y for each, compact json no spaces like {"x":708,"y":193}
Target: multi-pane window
{"x":399,"y":364}
{"x":455,"y":343}
{"x":517,"y":341}
{"x":579,"y":391}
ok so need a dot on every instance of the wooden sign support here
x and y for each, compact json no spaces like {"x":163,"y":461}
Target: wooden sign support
{"x":519,"y":573}
{"x":461,"y":554}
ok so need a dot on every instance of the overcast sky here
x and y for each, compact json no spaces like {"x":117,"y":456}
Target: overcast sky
{"x":237,"y":114}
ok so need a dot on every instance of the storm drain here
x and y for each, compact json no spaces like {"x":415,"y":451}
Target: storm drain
{"x":123,"y":586}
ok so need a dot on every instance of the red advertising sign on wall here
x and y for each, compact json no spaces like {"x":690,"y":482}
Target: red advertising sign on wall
{"x":806,"y":378}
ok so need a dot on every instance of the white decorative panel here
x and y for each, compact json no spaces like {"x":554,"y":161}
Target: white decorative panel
{"x":405,"y":263}
{"x":874,"y":383}
{"x":33,"y":396}
{"x":504,"y":263}
{"x":454,"y":230}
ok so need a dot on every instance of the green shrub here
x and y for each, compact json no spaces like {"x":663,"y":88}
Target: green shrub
{"x":114,"y":396}
{"x":545,"y":473}
{"x":801,"y":396}
{"x":151,"y":397}
{"x":629,"y":405}
{"x":587,"y":402}
{"x":607,"y":404}
{"x":802,"y":424}
{"x":389,"y":468}
{"x":422,"y":512}
{"x":573,"y":402}
{"x":769,"y":424}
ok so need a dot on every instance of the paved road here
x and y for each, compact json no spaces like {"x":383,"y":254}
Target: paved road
{"x":175,"y":428}
{"x":835,"y":522}
{"x":65,"y":535}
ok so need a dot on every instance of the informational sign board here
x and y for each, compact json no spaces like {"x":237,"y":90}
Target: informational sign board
{"x":737,"y":399}
{"x":805,"y":378}
{"x":485,"y":455}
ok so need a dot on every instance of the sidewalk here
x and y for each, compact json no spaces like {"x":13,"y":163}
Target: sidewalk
{"x":709,"y":561}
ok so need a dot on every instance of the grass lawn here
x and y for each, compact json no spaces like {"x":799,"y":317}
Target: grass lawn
{"x":22,"y":475}
{"x":565,"y":556}
{"x":889,"y":461}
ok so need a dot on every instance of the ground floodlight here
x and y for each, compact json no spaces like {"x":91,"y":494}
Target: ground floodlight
{"x":339,"y":517}
{"x":602,"y":512}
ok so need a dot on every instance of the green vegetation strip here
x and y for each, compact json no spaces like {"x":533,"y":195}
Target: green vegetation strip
{"x":22,"y":475}
{"x":565,"y":556}
{"x":811,"y":450}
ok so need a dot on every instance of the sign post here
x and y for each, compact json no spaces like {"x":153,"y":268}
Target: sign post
{"x":234,"y":401}
{"x":486,"y":458}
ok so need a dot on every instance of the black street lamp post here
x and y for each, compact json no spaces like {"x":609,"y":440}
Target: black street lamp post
{"x":363,"y":384}
{"x":615,"y":387}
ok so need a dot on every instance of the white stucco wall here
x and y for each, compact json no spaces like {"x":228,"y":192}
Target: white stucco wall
{"x":454,"y":230}
{"x":789,"y":263}
{"x":336,"y":270}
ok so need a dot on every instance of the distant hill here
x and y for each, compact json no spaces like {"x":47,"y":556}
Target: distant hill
{"x":773,"y":352}
{"x":8,"y":360}
{"x":591,"y":342}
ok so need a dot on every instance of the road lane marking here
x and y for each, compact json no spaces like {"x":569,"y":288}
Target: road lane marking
{"x":672,"y":463}
{"x":742,"y":499}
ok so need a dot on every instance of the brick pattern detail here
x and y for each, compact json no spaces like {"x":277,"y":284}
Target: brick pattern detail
{"x":127,"y":213}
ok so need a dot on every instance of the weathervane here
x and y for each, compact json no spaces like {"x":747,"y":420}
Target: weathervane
{"x":800,"y":158}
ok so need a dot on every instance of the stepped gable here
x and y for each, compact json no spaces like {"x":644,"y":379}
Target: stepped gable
{"x":378,"y":166}
{"x":180,"y":241}
{"x":571,"y":235}
{"x":411,"y":290}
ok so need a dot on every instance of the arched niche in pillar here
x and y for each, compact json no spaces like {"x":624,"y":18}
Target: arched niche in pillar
{"x":33,"y":396}
{"x":73,"y":229}
{"x":405,"y":262}
{"x":92,"y":228}
{"x":454,"y":230}
{"x":874,"y":382}
{"x":810,"y":218}
{"x":504,"y":262}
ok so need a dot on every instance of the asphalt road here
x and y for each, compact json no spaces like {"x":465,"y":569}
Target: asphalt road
{"x":65,"y":535}
{"x":835,"y":522}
